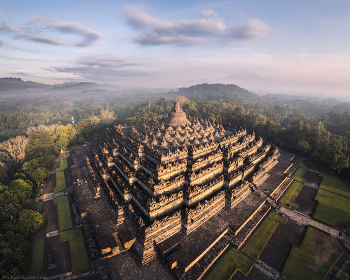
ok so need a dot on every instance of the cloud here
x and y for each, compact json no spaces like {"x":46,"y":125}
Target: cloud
{"x":157,"y":39}
{"x":138,"y":18}
{"x":5,"y":27}
{"x":89,"y":36}
{"x":40,"y":39}
{"x":104,"y":69}
{"x":101,"y":74}
{"x":40,"y":25}
{"x":210,"y":13}
{"x":190,"y":32}
{"x":106,"y":63}
{"x":254,"y":29}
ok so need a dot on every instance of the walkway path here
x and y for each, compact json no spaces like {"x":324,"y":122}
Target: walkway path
{"x":306,"y":220}
{"x":268,"y":270}
{"x":48,"y":196}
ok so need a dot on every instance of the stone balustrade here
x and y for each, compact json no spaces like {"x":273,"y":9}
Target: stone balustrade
{"x":198,"y":192}
{"x":234,"y":164}
{"x":194,"y":217}
{"x":205,"y":160}
{"x":237,"y":194}
{"x":232,"y":179}
{"x":205,"y":173}
{"x":247,"y":169}
{"x":202,"y":149}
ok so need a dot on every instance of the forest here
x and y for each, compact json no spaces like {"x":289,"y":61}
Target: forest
{"x":34,"y":131}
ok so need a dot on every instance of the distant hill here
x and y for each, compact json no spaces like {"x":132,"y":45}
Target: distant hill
{"x":12,"y":85}
{"x":9,"y":84}
{"x":76,"y":86}
{"x":245,"y":75}
{"x":218,"y":92}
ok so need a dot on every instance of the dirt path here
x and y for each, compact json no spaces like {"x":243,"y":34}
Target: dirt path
{"x":51,"y":181}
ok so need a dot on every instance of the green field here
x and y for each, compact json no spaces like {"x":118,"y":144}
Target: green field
{"x":313,"y":260}
{"x":63,"y":210}
{"x":228,"y":265}
{"x":38,"y":206}
{"x":60,"y":182}
{"x":257,"y":242}
{"x":63,"y":161}
{"x":298,"y":175}
{"x":60,"y":178}
{"x":36,"y":258}
{"x":291,"y":194}
{"x":334,"y":185}
{"x":331,"y":208}
{"x":302,"y":164}
{"x":37,"y":249}
{"x":78,"y":254}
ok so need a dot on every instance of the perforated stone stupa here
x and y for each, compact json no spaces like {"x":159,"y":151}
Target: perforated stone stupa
{"x":181,"y":188}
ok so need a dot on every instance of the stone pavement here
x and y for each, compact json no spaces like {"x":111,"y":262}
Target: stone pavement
{"x":268,"y":270}
{"x":310,"y":185}
{"x":52,"y":233}
{"x":48,"y":196}
{"x":306,"y":220}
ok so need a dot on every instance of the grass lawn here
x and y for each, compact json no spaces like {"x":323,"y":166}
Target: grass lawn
{"x":63,"y":161}
{"x":64,"y":215}
{"x":257,"y":242}
{"x":331,"y":208}
{"x":60,"y":178}
{"x":38,"y":206}
{"x":302,"y":164}
{"x":60,"y":182}
{"x":37,"y":250}
{"x":228,"y":265}
{"x":332,"y":184}
{"x":316,"y":256}
{"x":291,"y":194}
{"x":78,"y":254}
{"x":36,"y":258}
{"x":298,"y":175}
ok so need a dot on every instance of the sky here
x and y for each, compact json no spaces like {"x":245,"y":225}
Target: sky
{"x":296,"y":45}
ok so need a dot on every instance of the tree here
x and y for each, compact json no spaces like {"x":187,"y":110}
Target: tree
{"x":12,"y":151}
{"x":40,"y":174}
{"x":335,"y":159}
{"x":304,"y":147}
{"x":61,"y":137}
{"x":41,"y":144}
{"x":30,"y":219}
{"x":107,"y":115}
{"x":182,"y":100}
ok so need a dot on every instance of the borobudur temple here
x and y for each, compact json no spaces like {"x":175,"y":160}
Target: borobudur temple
{"x":178,"y":191}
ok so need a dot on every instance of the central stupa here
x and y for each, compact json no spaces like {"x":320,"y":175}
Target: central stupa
{"x":177,"y":116}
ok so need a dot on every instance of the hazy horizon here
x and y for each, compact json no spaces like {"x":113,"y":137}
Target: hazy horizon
{"x":297,"y":46}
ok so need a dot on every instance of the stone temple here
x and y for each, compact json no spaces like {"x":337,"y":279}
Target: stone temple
{"x":180,"y":191}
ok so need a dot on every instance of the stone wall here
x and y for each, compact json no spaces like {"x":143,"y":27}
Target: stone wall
{"x":195,"y":193}
{"x":237,"y":194}
{"x":205,"y":173}
{"x":199,"y":214}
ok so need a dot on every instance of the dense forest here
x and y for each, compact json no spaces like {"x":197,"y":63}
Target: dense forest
{"x":33,"y":131}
